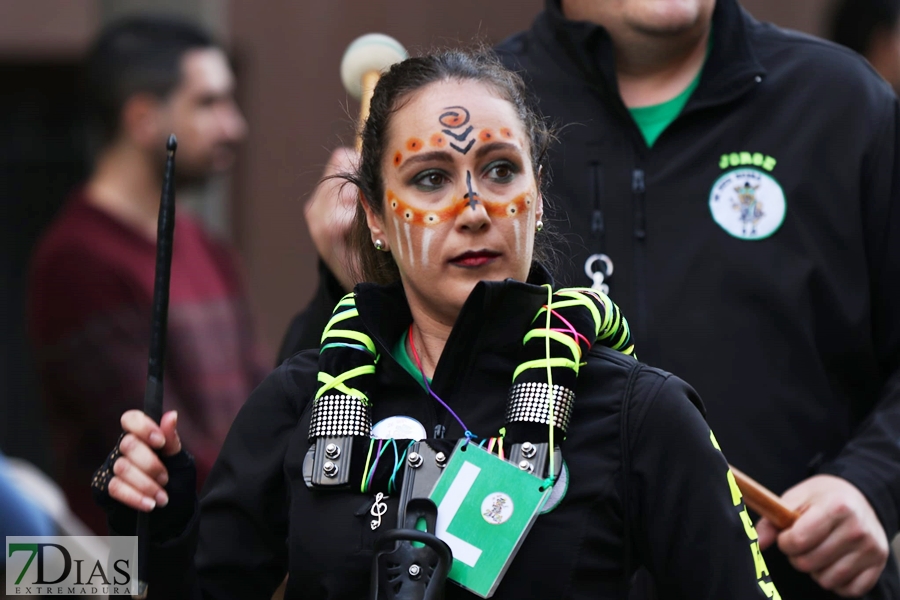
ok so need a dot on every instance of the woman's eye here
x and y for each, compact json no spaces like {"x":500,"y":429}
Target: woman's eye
{"x":501,"y":172}
{"x":430,"y":180}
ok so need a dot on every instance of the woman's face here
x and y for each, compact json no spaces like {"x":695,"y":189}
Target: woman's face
{"x":461,"y":196}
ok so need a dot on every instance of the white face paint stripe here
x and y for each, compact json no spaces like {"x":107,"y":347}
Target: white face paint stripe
{"x":399,"y":243}
{"x":412,"y":253}
{"x":426,"y":241}
{"x":518,"y":227}
{"x":463,"y":551}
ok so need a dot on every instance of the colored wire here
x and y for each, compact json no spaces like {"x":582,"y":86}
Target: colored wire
{"x":362,"y":484}
{"x":552,"y":476}
{"x":571,"y":329}
{"x":344,"y":345}
{"x":397,"y":465}
{"x":412,"y":346}
{"x":375,"y":465}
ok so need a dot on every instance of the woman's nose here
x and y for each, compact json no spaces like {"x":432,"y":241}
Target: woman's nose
{"x":473,"y":215}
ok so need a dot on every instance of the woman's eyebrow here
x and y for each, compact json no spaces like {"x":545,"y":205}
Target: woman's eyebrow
{"x":488,"y":148}
{"x":436,"y":155}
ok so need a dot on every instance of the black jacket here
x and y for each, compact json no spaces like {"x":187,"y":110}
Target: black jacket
{"x":259,"y":520}
{"x":793,"y":340}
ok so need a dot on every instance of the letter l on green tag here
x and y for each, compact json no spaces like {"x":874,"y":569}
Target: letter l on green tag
{"x":486,"y":507}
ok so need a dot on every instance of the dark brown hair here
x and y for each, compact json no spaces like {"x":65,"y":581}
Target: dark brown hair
{"x":140,"y":54}
{"x":392,"y":92}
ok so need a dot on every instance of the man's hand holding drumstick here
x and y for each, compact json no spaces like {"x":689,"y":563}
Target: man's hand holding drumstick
{"x":826,"y":528}
{"x":837,"y":538}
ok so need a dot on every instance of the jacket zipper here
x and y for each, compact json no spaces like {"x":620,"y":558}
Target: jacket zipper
{"x":598,"y":227}
{"x":638,"y":191}
{"x":598,"y":266}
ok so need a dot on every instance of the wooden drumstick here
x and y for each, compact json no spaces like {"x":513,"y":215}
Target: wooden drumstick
{"x":369,"y":80}
{"x":763,"y":501}
{"x":364,"y":60}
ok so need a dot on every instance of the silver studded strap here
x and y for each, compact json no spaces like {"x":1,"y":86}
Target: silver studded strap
{"x":528,"y":402}
{"x":335,"y":415}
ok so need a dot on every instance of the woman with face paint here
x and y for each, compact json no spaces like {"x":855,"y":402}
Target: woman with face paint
{"x":465,"y":430}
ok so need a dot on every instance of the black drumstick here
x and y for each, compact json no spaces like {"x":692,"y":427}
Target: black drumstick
{"x":153,"y":393}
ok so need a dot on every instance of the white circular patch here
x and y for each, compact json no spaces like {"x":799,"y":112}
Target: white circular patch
{"x":399,"y":428}
{"x":748,"y":204}
{"x":497,"y":508}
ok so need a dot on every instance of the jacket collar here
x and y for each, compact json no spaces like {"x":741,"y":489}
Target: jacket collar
{"x":731,"y":68}
{"x":493,"y":321}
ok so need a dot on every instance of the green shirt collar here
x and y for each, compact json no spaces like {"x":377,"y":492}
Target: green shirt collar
{"x":402,"y":356}
{"x":653,"y":120}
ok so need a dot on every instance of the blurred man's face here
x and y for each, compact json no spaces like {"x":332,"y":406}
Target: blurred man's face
{"x":204,"y":116}
{"x":649,"y":17}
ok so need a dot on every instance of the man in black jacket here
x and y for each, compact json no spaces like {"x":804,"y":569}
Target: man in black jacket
{"x":731,"y":185}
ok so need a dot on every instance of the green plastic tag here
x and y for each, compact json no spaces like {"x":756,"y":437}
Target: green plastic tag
{"x":486,"y":506}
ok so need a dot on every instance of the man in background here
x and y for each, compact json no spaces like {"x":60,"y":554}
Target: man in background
{"x":871,"y":28}
{"x":92,"y":274}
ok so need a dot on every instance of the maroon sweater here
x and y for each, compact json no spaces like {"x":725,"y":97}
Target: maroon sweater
{"x":90,"y":292}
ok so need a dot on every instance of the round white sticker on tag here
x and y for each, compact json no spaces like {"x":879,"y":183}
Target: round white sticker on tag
{"x":399,"y":428}
{"x":497,"y":508}
{"x":748,"y":203}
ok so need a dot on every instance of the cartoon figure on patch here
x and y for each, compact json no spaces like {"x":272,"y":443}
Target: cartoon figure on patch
{"x":748,"y":203}
{"x":750,"y":208}
{"x":497,"y":508}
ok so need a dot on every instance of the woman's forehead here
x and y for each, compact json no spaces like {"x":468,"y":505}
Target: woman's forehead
{"x":454,"y":106}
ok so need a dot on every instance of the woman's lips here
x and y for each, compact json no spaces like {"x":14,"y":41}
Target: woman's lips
{"x":474,"y":259}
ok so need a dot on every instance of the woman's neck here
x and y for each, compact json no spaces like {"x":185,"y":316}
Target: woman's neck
{"x":429,"y":337}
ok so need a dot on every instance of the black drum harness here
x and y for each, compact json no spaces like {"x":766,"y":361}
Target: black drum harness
{"x":409,"y":563}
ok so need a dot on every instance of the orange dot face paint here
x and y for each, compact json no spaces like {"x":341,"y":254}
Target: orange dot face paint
{"x":440,"y":139}
{"x":425,"y":218}
{"x":415,"y":216}
{"x":513,"y":208}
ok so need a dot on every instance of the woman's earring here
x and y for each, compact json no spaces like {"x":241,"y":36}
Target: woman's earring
{"x":539,"y":226}
{"x":379,"y":245}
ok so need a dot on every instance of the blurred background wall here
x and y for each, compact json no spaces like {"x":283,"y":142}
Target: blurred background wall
{"x":287,"y":55}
